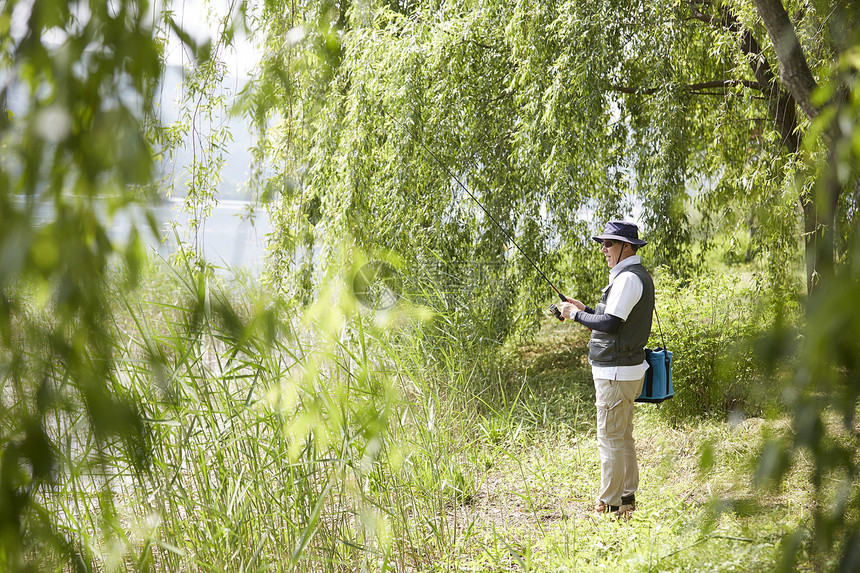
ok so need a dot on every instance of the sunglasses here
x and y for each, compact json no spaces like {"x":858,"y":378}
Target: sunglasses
{"x":608,"y":243}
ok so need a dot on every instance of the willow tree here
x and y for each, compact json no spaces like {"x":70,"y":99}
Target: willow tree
{"x":804,"y":51}
{"x":556,"y":116}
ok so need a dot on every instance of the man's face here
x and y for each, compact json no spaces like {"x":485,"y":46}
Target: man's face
{"x":612,"y":251}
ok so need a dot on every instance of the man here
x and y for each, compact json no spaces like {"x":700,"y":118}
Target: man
{"x":620,"y":325}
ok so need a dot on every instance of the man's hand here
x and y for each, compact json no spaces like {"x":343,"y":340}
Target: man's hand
{"x":569,"y":308}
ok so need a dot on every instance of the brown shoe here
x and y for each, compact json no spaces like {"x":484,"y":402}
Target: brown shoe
{"x":603,"y":508}
{"x":624,"y":511}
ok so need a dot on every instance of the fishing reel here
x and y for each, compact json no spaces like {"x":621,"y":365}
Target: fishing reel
{"x":554,"y":309}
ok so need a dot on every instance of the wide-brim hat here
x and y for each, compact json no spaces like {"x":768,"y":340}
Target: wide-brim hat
{"x":621,"y":231}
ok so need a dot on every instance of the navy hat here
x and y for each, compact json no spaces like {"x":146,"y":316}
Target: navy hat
{"x":621,"y":231}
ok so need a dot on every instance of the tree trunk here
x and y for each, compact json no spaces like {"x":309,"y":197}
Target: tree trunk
{"x":810,"y":240}
{"x":819,"y":209}
{"x":4,"y":112}
{"x":782,"y":112}
{"x":793,"y":69}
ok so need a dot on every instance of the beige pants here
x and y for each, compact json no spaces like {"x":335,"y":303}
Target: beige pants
{"x":619,"y":472}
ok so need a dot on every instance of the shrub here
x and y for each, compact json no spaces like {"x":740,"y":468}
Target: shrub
{"x":710,"y":324}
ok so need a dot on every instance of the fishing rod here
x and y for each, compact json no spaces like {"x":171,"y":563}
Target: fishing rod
{"x":438,"y":160}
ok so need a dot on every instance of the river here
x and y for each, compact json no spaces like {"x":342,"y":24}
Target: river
{"x":229,"y":240}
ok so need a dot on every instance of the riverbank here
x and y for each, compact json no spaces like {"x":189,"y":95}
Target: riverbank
{"x":321,"y":440}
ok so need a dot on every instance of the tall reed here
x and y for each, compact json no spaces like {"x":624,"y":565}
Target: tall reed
{"x":274,"y":439}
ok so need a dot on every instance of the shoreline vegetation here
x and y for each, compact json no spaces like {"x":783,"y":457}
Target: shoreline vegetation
{"x":278,"y":440}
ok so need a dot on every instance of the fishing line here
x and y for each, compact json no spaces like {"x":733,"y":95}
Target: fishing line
{"x":438,"y":160}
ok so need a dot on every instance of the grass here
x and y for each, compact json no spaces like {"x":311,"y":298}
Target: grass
{"x":537,"y":469}
{"x":322,"y":442}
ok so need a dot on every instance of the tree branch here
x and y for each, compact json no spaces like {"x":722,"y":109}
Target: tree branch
{"x":780,"y":103}
{"x":695,"y":88}
{"x":793,"y":68}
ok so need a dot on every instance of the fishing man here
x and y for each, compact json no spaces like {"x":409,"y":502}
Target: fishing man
{"x":620,"y":325}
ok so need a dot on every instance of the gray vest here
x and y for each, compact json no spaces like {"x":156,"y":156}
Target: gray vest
{"x":627,"y":346}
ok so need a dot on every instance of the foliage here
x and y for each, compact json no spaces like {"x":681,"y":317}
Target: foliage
{"x":199,"y":434}
{"x":379,"y":144}
{"x":822,"y":392}
{"x":76,"y":125}
{"x":556,"y":116}
{"x":79,"y":139}
{"x":711,"y":325}
{"x":201,"y":132}
{"x":560,"y":116}
{"x":201,"y":128}
{"x":266,"y":434}
{"x":322,"y":442}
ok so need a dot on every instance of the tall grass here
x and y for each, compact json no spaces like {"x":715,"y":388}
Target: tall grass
{"x":275,"y":439}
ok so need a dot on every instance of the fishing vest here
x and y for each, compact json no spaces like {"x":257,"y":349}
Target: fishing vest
{"x":626,"y":347}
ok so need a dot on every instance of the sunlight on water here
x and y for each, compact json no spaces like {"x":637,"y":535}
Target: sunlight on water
{"x":228,"y":239}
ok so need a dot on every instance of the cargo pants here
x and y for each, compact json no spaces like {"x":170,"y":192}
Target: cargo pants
{"x":619,"y":471}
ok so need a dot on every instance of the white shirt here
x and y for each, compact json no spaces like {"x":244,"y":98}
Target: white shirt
{"x":626,"y":292}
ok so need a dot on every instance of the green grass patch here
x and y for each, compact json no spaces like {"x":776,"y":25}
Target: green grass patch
{"x":537,"y":471}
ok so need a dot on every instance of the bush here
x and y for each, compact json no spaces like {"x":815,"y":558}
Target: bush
{"x":710,"y":324}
